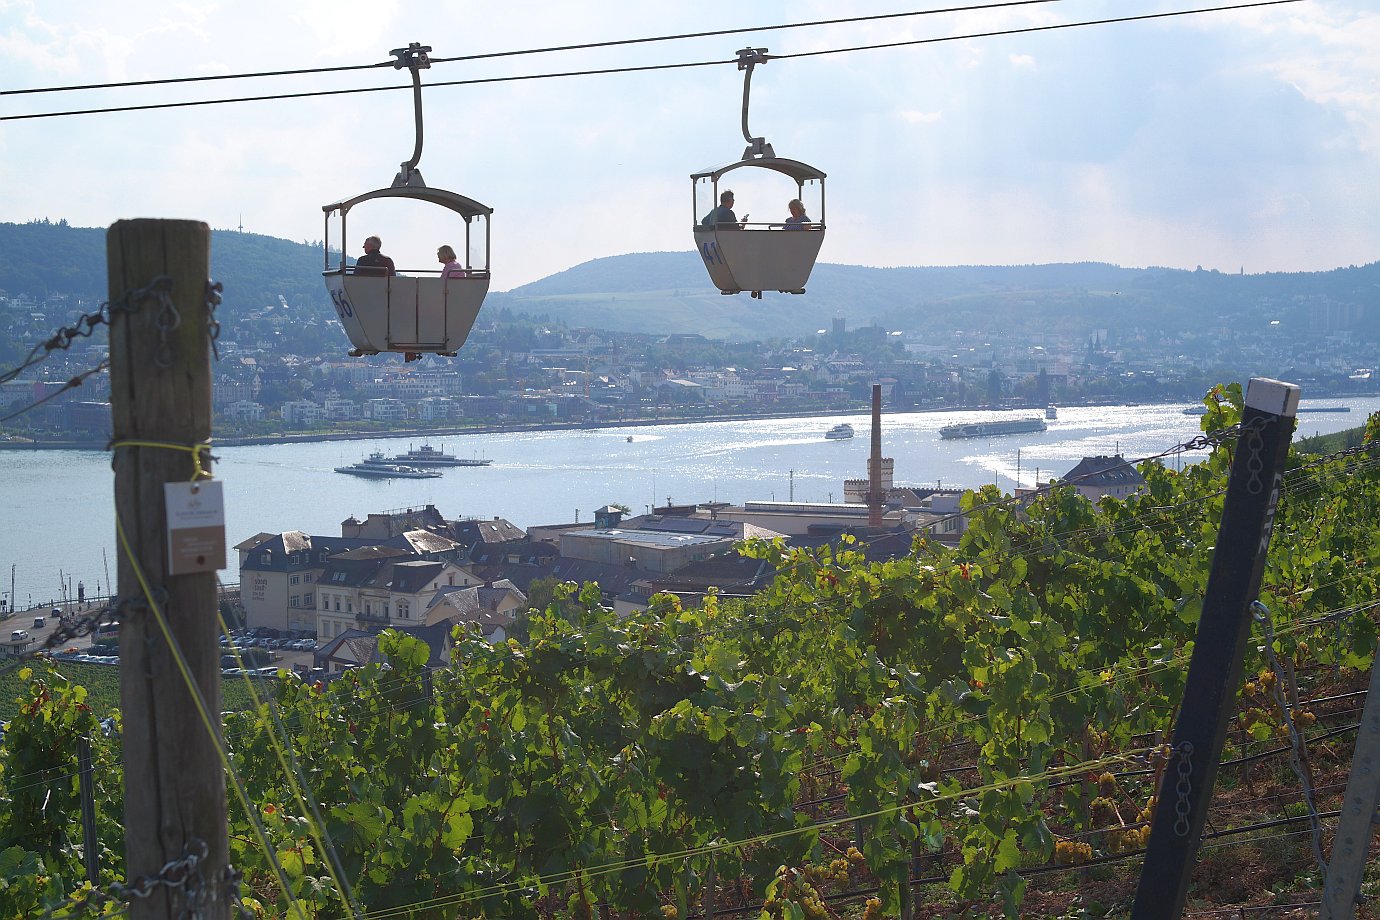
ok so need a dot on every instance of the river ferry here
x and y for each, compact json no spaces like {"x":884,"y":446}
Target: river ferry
{"x":993,"y":428}
{"x":377,"y":466}
{"x":426,"y":455}
{"x":840,"y":432}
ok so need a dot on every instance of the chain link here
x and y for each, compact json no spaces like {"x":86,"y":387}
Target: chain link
{"x":86,"y":324}
{"x":1184,"y":788}
{"x":166,"y":320}
{"x":178,"y":875}
{"x":1255,"y":462}
{"x":108,"y":615}
{"x":213,"y":299}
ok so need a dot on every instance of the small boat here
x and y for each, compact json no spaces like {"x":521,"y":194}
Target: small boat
{"x":629,"y":439}
{"x":377,"y":466}
{"x":1051,"y":411}
{"x":1324,"y":408}
{"x":839,"y":432}
{"x":426,"y":455}
{"x":993,"y":428}
{"x":1196,"y":410}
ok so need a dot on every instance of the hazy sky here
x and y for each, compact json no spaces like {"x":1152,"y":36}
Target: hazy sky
{"x":1234,"y":139}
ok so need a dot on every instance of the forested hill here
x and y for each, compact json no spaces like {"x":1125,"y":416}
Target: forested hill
{"x":42,"y":258}
{"x":665,"y":292}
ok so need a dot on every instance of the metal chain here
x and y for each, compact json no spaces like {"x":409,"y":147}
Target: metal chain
{"x":1255,"y":463}
{"x":87,"y":323}
{"x":73,"y":383}
{"x":1298,"y":754}
{"x":182,"y":874}
{"x":213,"y":299}
{"x":66,"y":632}
{"x":166,"y":320}
{"x":1184,"y":805}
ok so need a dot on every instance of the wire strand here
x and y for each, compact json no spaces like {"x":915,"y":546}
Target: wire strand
{"x":646,"y":68}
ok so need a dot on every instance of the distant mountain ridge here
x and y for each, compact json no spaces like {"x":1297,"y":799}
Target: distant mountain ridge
{"x":669,"y":292}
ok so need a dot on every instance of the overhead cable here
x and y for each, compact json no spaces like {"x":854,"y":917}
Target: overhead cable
{"x":647,"y":67}
{"x":586,"y":46}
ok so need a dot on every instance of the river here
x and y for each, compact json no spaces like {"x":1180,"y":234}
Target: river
{"x":59,"y":510}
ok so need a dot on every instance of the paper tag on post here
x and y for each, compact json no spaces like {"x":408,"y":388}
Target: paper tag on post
{"x":196,"y":526}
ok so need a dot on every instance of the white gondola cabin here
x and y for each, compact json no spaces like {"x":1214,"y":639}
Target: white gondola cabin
{"x":758,"y":256}
{"x":412,"y":314}
{"x":415,"y":313}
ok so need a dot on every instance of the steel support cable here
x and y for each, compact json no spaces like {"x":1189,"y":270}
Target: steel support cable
{"x":1150,"y":669}
{"x":298,"y":786}
{"x":69,"y":384}
{"x":477,"y":81}
{"x":1047,"y":869}
{"x":203,"y":711}
{"x":1124,"y":756}
{"x":1309,"y":703}
{"x":556,"y":878}
{"x":586,"y":46}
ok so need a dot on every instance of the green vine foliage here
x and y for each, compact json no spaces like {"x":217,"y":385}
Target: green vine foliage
{"x":916,"y":707}
{"x":42,"y":858}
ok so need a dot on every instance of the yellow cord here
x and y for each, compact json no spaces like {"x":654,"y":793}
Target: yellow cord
{"x":290,"y":774}
{"x":196,"y":450}
{"x":269,"y":851}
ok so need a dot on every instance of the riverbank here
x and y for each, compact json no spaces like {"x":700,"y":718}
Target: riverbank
{"x":314,"y":437}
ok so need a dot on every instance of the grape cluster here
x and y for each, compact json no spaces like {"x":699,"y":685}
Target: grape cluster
{"x":1071,"y":853}
{"x":793,"y":887}
{"x":1128,"y":839}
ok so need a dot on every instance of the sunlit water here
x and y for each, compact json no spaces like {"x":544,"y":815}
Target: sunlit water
{"x":59,"y":513}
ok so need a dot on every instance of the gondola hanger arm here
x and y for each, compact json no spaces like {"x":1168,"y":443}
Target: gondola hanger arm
{"x":414,"y":58}
{"x":749,"y":58}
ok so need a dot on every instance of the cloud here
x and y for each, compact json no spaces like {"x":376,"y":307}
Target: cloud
{"x":1238,"y":135}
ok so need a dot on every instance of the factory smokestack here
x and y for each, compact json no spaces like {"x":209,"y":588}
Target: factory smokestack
{"x":875,"y":497}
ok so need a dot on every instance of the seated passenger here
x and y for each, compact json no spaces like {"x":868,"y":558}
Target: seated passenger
{"x":374,"y":262}
{"x":723,"y":217}
{"x":450,"y":267}
{"x":798,"y":218}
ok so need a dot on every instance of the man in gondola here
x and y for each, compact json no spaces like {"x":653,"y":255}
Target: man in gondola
{"x":374,"y":262}
{"x":723,"y":217}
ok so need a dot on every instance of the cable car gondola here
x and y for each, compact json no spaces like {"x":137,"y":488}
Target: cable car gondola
{"x":412,"y":314}
{"x":758,"y":256}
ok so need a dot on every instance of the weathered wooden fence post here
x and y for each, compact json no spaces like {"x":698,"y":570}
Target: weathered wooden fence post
{"x":1214,"y":673}
{"x":160,"y":382}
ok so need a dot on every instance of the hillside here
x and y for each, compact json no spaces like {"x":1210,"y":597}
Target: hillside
{"x":666,"y":292}
{"x":54,"y":258}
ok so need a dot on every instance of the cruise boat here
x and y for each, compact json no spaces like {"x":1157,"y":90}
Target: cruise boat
{"x":426,"y":455}
{"x":377,"y":466}
{"x":993,"y":428}
{"x":840,"y":432}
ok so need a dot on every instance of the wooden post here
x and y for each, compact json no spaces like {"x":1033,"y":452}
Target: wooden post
{"x":160,"y":383}
{"x":1214,"y":673}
